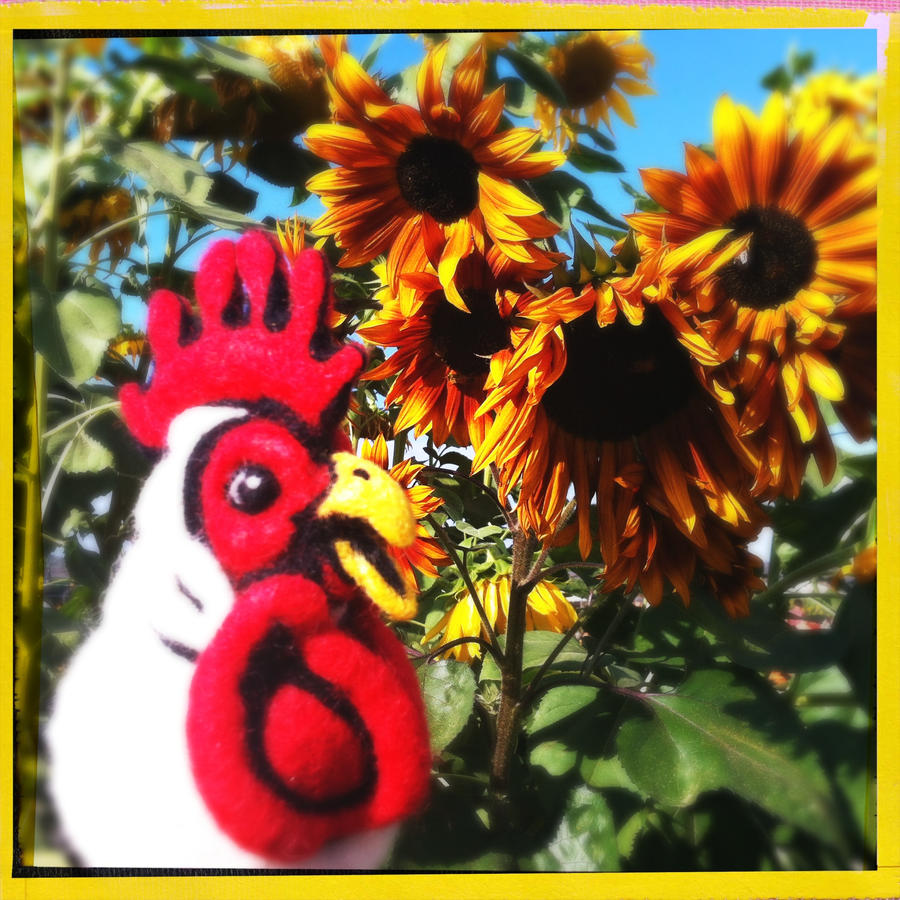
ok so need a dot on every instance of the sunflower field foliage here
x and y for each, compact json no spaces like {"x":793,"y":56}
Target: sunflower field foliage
{"x":640,"y":450}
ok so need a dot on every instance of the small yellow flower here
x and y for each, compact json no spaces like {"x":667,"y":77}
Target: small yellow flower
{"x":547,"y":610}
{"x":425,"y":553}
{"x":864,"y":566}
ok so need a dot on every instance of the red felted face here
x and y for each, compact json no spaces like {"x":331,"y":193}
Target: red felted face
{"x":252,"y":479}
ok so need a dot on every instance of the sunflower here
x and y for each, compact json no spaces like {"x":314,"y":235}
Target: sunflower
{"x":854,"y":357}
{"x":439,"y":174}
{"x":444,"y":352}
{"x":546,"y":609}
{"x":807,"y":203}
{"x":425,"y":553}
{"x":595,"y":71}
{"x":90,"y":208}
{"x":618,"y":408}
{"x":839,"y":95}
{"x":247,"y":109}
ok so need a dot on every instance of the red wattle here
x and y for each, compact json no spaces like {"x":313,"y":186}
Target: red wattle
{"x":301,"y":732}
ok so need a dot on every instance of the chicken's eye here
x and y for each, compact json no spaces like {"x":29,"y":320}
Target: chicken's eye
{"x":252,"y":489}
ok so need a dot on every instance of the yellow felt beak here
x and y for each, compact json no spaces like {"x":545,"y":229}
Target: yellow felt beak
{"x":363,"y":492}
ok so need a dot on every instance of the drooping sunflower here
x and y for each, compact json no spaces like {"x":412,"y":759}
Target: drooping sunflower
{"x":619,"y":409}
{"x":88,"y":209}
{"x":596,"y":71}
{"x":807,"y":202}
{"x":547,"y":609}
{"x":855,"y":358}
{"x":442,"y":169}
{"x":248,"y":110}
{"x":444,"y":352}
{"x":425,"y":553}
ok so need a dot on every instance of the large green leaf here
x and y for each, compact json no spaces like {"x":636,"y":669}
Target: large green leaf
{"x":585,"y":840}
{"x":182,"y":179}
{"x":448,"y":687}
{"x":537,"y":647}
{"x":718,"y":731}
{"x":83,"y":452}
{"x":73,"y":332}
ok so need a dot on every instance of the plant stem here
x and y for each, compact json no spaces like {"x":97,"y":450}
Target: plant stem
{"x":457,"y":642}
{"x":29,"y":618}
{"x":808,"y":570}
{"x":535,"y":572}
{"x":511,"y":668}
{"x":589,"y":664}
{"x":96,"y":410}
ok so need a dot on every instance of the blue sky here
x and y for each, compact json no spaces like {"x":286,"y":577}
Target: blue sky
{"x":692,"y":70}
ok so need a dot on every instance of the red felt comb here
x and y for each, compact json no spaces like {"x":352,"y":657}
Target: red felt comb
{"x":262,"y":333}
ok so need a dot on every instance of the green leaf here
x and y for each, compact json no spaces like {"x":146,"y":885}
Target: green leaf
{"x":558,"y":704}
{"x":284,"y":163}
{"x":585,"y":840}
{"x":520,"y":98}
{"x":589,"y":205}
{"x":777,"y":80}
{"x":555,"y":757}
{"x":535,"y":75}
{"x":606,"y":772}
{"x":84,"y":453}
{"x":587,"y":159}
{"x":182,"y":179}
{"x":537,"y":647}
{"x":73,"y":333}
{"x":230,"y":193}
{"x":371,"y":54}
{"x":233,"y":60}
{"x":448,"y":687}
{"x":180,"y":75}
{"x":764,"y":641}
{"x":718,"y":731}
{"x":596,"y":136}
{"x":833,"y":514}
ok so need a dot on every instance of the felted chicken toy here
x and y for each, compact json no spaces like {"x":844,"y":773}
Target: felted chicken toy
{"x":241,"y":703}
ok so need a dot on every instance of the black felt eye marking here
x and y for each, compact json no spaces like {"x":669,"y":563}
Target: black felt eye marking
{"x":361,"y":473}
{"x":252,"y":489}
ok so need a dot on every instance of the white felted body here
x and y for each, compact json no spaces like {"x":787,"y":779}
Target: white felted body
{"x":120,"y":773}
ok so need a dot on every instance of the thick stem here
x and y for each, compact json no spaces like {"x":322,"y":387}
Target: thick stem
{"x":29,"y":618}
{"x":511,"y":669}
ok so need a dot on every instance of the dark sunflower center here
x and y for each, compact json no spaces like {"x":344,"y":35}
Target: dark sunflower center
{"x":780,"y":260}
{"x":589,"y":72}
{"x":619,"y":380}
{"x":438,"y":177}
{"x":464,"y":342}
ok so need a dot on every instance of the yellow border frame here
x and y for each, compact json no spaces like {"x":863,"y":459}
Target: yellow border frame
{"x":370,"y":15}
